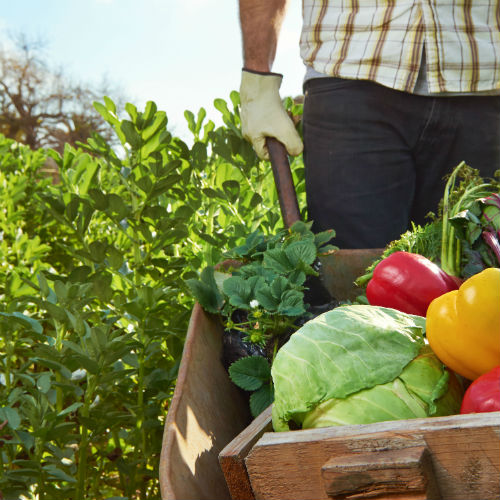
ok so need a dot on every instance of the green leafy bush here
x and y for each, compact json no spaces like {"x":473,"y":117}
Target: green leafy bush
{"x":93,"y":301}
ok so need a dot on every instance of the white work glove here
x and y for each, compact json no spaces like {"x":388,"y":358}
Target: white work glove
{"x":263,"y":115}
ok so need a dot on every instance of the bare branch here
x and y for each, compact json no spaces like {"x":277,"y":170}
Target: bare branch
{"x":41,"y":107}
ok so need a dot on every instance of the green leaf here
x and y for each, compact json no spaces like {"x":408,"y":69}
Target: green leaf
{"x":266,"y":298}
{"x":117,"y":206}
{"x":72,"y":208}
{"x":89,"y":364}
{"x":115,"y":257}
{"x":199,"y":153}
{"x":209,"y":239}
{"x":98,"y":250}
{"x":256,"y":200}
{"x":184,"y":212}
{"x":70,"y":409}
{"x":159,"y":122}
{"x":297,"y":278}
{"x":277,"y":259}
{"x":211,"y":193}
{"x":301,"y":253}
{"x":11,"y":415}
{"x":44,"y":382}
{"x":24,"y":320}
{"x":27,"y":439}
{"x":143,"y":228}
{"x":278,"y":286}
{"x":250,"y":373}
{"x":164,"y":185}
{"x":55,"y":311}
{"x":323,"y":237}
{"x":103,"y":111}
{"x":156,"y":213}
{"x":189,"y":116}
{"x":131,"y":109}
{"x":55,"y":365}
{"x":130,"y":133}
{"x":150,"y":113}
{"x":238,"y":291}
{"x":88,"y":176}
{"x":261,"y":399}
{"x":292,"y":303}
{"x":80,"y":274}
{"x":156,"y":143}
{"x":231,"y":190}
{"x":145,"y":184}
{"x":100,"y":200}
{"x":57,"y":473}
{"x":109,"y":104}
{"x":205,"y":291}
{"x":199,"y":122}
{"x":61,"y":290}
{"x":44,"y":285}
{"x":102,"y":286}
{"x":27,"y":379}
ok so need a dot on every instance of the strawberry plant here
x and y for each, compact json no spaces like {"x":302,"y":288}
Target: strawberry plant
{"x":261,"y":301}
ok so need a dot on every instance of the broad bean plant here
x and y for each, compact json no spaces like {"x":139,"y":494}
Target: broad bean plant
{"x":94,"y":304}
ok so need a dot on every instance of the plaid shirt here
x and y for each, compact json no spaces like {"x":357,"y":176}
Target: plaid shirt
{"x":383,"y":41}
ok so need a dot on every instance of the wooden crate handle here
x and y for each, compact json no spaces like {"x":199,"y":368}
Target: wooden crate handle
{"x":404,"y":474}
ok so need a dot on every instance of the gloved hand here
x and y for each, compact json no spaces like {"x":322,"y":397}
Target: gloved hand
{"x":263,"y":115}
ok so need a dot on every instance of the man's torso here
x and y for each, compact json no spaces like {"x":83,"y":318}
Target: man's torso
{"x":385,"y":42}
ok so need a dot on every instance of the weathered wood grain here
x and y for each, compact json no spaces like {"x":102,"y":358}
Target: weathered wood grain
{"x":400,"y":474}
{"x":232,"y":457}
{"x":341,"y":268}
{"x":465,"y":455}
{"x":206,"y":413}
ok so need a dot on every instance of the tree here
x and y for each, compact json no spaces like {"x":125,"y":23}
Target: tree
{"x":40,"y":107}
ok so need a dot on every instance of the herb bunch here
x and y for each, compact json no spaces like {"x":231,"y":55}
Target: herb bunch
{"x":451,"y":238}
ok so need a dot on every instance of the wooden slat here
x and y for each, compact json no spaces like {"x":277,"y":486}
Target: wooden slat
{"x":206,"y":413}
{"x":232,"y":457}
{"x":465,"y":452}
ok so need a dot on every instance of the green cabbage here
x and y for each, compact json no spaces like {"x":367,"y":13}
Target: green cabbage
{"x":360,"y":364}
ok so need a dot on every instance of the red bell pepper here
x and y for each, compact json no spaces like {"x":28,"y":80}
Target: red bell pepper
{"x":408,"y":282}
{"x":483,"y":394}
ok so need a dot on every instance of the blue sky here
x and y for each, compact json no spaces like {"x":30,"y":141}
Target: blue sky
{"x":182,"y":54}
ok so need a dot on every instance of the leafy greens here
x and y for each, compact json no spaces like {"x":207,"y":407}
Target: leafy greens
{"x":322,"y":375}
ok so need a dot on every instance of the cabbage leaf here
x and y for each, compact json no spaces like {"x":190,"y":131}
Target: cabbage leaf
{"x":341,"y":352}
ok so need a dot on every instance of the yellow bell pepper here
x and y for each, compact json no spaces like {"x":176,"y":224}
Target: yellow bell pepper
{"x":463,"y":326}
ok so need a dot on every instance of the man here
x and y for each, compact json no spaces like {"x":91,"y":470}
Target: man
{"x":397,"y":93}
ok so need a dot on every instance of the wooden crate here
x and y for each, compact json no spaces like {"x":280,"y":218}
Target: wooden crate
{"x":456,"y":457}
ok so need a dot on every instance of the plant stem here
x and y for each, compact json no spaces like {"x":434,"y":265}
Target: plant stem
{"x":140,"y":449}
{"x":8,"y":365}
{"x":492,"y":241}
{"x":362,"y":280}
{"x":116,"y":439}
{"x":275,"y":349}
{"x":448,"y":237}
{"x":60,"y":333}
{"x":84,"y":439}
{"x":39,"y":445}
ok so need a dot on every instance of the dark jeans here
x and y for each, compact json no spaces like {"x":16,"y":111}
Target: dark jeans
{"x":375,"y":157}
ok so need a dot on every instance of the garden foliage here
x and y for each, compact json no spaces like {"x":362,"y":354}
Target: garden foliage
{"x":93,"y":298}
